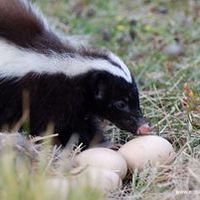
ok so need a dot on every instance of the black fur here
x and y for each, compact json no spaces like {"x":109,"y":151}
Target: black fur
{"x":72,"y":104}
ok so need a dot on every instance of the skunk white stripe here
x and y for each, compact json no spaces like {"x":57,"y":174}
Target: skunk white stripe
{"x":121,"y":64}
{"x":60,"y":58}
{"x":15,"y":62}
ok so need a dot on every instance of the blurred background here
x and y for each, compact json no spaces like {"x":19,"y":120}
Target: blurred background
{"x":155,"y":38}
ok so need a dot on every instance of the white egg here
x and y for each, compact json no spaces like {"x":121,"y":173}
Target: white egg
{"x":103,"y":158}
{"x":98,"y":178}
{"x":146,"y":149}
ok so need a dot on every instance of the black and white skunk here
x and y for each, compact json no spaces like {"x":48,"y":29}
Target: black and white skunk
{"x":69,"y":87}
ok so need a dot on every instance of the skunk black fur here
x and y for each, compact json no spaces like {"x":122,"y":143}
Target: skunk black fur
{"x":68,"y":86}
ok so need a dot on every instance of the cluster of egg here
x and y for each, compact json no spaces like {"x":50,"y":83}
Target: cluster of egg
{"x":105,"y":168}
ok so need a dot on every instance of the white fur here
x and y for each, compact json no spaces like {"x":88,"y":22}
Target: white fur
{"x":16,"y":62}
{"x":122,"y":64}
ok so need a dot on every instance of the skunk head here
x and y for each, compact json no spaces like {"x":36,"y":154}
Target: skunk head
{"x":116,"y":98}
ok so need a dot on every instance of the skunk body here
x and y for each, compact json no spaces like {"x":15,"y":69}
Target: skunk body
{"x":69,"y":87}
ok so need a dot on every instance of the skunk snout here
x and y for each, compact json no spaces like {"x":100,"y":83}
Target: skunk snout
{"x":138,"y":126}
{"x":144,"y":129}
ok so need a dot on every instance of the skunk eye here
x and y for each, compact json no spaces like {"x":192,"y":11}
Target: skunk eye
{"x":120,"y":105}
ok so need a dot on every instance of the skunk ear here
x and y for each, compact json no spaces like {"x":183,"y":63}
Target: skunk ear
{"x":98,"y":82}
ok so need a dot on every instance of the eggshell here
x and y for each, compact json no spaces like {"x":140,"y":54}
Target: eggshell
{"x":146,"y":149}
{"x":57,"y":187}
{"x":103,"y":158}
{"x":98,"y":178}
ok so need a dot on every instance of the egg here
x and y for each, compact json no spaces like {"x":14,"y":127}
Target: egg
{"x":103,"y":158}
{"x":98,"y":178}
{"x":146,"y":149}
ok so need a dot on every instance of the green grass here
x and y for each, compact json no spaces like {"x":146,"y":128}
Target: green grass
{"x":161,"y":81}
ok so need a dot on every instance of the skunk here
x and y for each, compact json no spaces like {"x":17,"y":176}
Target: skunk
{"x":71,"y":87}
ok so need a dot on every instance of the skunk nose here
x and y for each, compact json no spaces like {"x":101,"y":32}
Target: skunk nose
{"x":144,"y":129}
